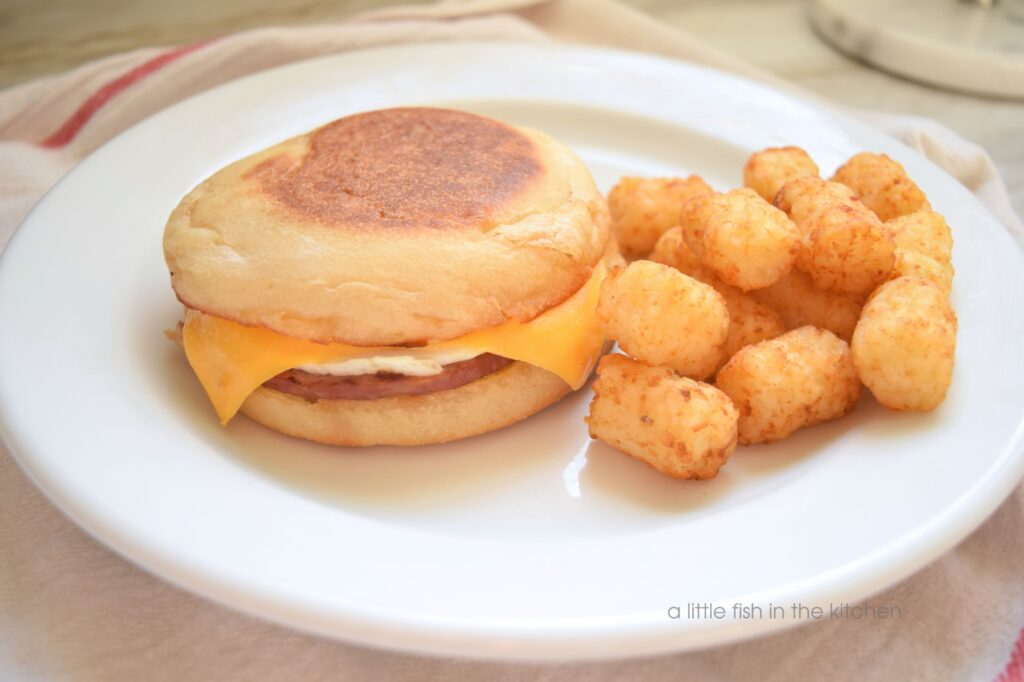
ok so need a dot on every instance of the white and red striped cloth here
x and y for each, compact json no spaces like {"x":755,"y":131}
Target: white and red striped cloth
{"x":70,"y":610}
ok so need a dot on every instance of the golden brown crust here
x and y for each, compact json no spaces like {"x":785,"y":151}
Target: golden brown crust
{"x":904,"y":347}
{"x":494,"y":401}
{"x":681,"y":427}
{"x":882,"y":184}
{"x":394,"y":169}
{"x":801,"y":378}
{"x":768,"y":170}
{"x":507,"y":227}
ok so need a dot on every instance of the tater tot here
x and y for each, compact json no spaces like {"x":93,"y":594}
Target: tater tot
{"x":801,"y":198}
{"x":800,"y":303}
{"x":924,"y":232}
{"x":671,"y":250}
{"x":882,"y":184}
{"x":913,"y":264}
{"x":750,"y":321}
{"x":681,"y":427}
{"x":904,"y":344}
{"x":663,"y":317}
{"x":743,"y":239}
{"x":847,"y":249}
{"x":798,"y":379}
{"x":768,"y":170}
{"x":642,"y":209}
{"x":845,"y":246}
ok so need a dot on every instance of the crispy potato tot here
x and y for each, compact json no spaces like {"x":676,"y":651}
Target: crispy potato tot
{"x":681,"y":427}
{"x":671,"y":250}
{"x":750,"y":321}
{"x":642,"y":209}
{"x":768,"y":170}
{"x":845,"y":246}
{"x":913,"y":264}
{"x":743,"y":239}
{"x":801,"y":198}
{"x":798,"y":379}
{"x":904,"y":344}
{"x":924,"y":232}
{"x":662,"y":317}
{"x":847,"y":250}
{"x":882,"y":184}
{"x":800,"y":303}
{"x":924,"y":248}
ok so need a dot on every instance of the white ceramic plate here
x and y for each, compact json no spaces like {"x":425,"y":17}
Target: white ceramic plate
{"x":532,"y":542}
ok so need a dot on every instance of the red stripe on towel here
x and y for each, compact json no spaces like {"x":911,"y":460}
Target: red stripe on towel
{"x":77,"y":121}
{"x":1014,"y":671}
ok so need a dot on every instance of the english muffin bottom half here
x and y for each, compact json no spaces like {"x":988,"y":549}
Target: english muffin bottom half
{"x":403,"y":276}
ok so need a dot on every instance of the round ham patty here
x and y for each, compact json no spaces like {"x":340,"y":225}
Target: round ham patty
{"x":383,"y":384}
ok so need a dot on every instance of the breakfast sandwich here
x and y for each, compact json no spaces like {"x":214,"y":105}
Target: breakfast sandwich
{"x":403,"y":276}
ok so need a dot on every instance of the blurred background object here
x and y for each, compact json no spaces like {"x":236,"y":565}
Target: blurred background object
{"x":975,"y":46}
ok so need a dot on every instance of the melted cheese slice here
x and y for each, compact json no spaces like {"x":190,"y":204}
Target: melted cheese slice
{"x":232,"y":360}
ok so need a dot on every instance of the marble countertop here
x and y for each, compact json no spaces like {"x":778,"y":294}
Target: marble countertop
{"x":37,"y":39}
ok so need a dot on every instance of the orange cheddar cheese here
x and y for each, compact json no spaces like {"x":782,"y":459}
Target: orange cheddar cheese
{"x":232,"y":360}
